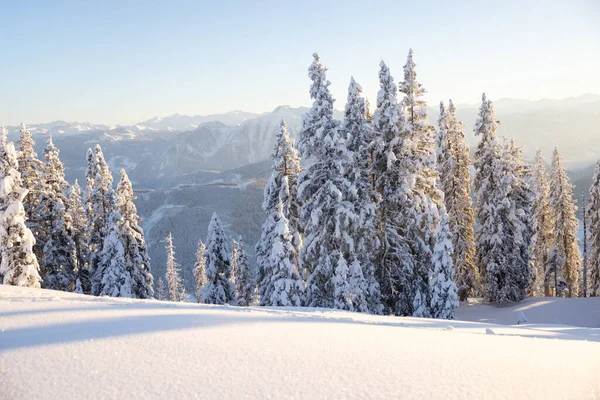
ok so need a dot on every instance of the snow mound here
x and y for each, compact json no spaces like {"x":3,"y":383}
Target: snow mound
{"x":104,"y":348}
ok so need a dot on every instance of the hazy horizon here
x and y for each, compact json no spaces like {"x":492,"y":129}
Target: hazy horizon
{"x":123,"y":62}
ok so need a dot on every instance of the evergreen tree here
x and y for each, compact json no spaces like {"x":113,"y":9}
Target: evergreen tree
{"x":176,"y":289}
{"x":19,"y":264}
{"x":395,"y":265}
{"x":59,"y":262}
{"x":362,"y":232}
{"x":455,"y":180}
{"x":30,"y":168}
{"x":486,"y":158}
{"x":245,"y":282}
{"x":444,"y":299}
{"x":199,"y":270}
{"x":286,"y":165}
{"x":132,"y":236}
{"x":328,"y":211}
{"x":280,"y":283}
{"x":79,"y":224}
{"x":218,"y":288}
{"x":565,"y":223}
{"x":161,"y":290}
{"x":584,"y":272}
{"x":542,"y":225}
{"x":113,"y":277}
{"x":504,"y":233}
{"x":593,"y":214}
{"x":101,"y":203}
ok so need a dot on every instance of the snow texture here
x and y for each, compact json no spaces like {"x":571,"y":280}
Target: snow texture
{"x":125,"y":348}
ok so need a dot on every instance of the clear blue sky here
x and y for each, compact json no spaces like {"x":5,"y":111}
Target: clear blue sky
{"x":124,"y":61}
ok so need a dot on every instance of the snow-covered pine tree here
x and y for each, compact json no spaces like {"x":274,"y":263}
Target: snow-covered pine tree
{"x":420,"y":211}
{"x":19,"y":265}
{"x":593,"y":213}
{"x":328,"y":211}
{"x":245,"y":282}
{"x":113,"y":278}
{"x":286,"y":162}
{"x":504,"y":233}
{"x":132,"y":237}
{"x":161,"y":290}
{"x":443,"y":292}
{"x":79,"y":224}
{"x":30,"y":168}
{"x":199,"y":270}
{"x":281,"y":284}
{"x":59,"y":263}
{"x":565,"y":223}
{"x":584,"y":270}
{"x":234,"y":260}
{"x":394,"y":263}
{"x":218,"y":288}
{"x":101,"y":203}
{"x":455,"y":179}
{"x":176,"y":289}
{"x":486,"y":157}
{"x":542,"y":224}
{"x":362,"y":230}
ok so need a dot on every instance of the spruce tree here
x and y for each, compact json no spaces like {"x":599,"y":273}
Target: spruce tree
{"x":443,"y":292}
{"x":394,"y":264}
{"x":328,"y":211}
{"x":362,"y":232}
{"x":565,"y":224}
{"x":161,"y":290}
{"x":504,"y":234}
{"x":132,"y":237}
{"x":30,"y":168}
{"x":218,"y":288}
{"x":593,"y":214}
{"x":113,"y":277}
{"x":80,"y":235}
{"x":486,"y":158}
{"x":19,"y":264}
{"x":245,"y":282}
{"x":101,"y":203}
{"x":542,"y":225}
{"x":285,"y":166}
{"x":59,"y":262}
{"x":280,"y":283}
{"x":175,"y":285}
{"x":199,"y":270}
{"x":453,"y":166}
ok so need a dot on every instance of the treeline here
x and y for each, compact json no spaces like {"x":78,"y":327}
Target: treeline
{"x":378,"y":217}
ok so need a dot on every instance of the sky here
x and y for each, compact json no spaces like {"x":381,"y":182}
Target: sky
{"x":126,"y":61}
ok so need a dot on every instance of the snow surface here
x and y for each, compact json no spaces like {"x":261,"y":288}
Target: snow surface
{"x":57,"y":345}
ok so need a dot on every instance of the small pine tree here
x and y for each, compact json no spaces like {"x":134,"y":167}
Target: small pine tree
{"x":176,"y":289}
{"x":80,"y":235}
{"x":281,"y":284}
{"x":218,"y":288}
{"x":30,"y":168}
{"x":565,"y":223}
{"x":19,"y":264}
{"x":161,"y":290}
{"x":199,"y":270}
{"x":113,"y":278}
{"x":444,"y":298}
{"x":245,"y":283}
{"x":593,"y":214}
{"x":132,"y":237}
